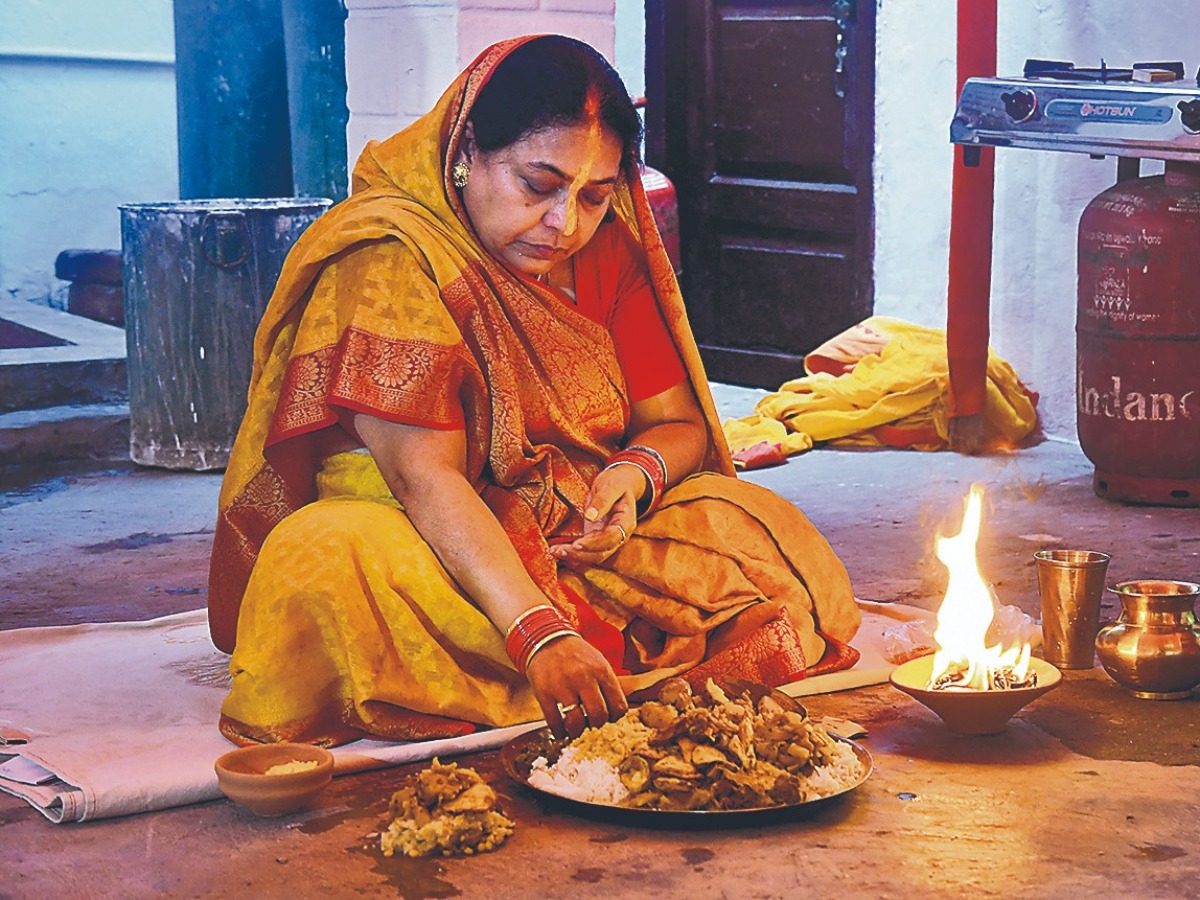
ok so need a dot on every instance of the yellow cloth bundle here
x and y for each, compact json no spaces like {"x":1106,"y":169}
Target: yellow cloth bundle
{"x":883,"y":382}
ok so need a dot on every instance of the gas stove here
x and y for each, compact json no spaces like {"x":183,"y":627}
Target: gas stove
{"x":1149,"y":111}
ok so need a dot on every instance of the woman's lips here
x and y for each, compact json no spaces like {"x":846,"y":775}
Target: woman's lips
{"x":540,"y":251}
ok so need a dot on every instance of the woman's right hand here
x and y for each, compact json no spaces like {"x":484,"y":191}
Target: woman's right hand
{"x":425,"y":468}
{"x":572,"y":675}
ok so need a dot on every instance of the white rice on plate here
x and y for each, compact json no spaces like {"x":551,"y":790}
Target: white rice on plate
{"x":788,"y":758}
{"x":842,"y":773}
{"x":579,"y":778}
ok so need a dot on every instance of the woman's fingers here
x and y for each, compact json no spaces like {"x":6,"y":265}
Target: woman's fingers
{"x":591,"y":549}
{"x":606,"y":540}
{"x":614,"y":698}
{"x":598,"y":702}
{"x":551,"y":713}
{"x":575,"y":687}
{"x":610,"y":515}
{"x":575,"y":720}
{"x":570,"y":719}
{"x":604,"y":494}
{"x":593,"y":703}
{"x":613,"y":492}
{"x":604,"y":700}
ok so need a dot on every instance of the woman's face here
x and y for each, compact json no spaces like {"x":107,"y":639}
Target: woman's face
{"x":539,"y":200}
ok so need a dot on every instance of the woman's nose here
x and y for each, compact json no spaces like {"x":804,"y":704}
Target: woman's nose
{"x":563,"y":214}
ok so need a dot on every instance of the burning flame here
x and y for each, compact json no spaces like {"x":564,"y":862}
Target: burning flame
{"x":966,"y":613}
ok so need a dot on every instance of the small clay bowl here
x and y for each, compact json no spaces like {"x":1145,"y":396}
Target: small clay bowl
{"x":972,"y":712}
{"x":242,"y":776}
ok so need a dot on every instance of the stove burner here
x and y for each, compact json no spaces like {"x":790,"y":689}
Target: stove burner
{"x":1149,"y":110}
{"x":1065,"y":71}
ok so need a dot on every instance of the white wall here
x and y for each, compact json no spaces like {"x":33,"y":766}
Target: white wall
{"x":629,"y":54}
{"x":87,"y":102}
{"x":401,"y":54}
{"x":1039,"y":196}
{"x":399,"y":57}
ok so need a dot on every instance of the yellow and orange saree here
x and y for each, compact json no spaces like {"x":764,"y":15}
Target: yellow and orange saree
{"x":340,"y":618}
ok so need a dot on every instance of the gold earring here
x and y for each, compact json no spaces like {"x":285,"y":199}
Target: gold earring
{"x":459,"y":173}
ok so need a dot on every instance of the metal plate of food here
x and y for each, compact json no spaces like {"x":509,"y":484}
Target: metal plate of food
{"x":737,"y":753}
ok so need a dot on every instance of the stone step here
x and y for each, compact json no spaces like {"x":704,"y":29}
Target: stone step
{"x":52,"y":358}
{"x":84,"y":431}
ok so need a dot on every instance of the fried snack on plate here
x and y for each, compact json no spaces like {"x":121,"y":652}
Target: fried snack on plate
{"x":444,"y":810}
{"x":706,"y":752}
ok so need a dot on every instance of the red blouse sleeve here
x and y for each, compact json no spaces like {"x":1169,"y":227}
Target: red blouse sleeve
{"x":613,"y":287}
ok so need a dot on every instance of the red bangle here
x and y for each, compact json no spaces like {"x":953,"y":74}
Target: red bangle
{"x":533,"y":630}
{"x":662,"y":463}
{"x":533,"y":649}
{"x":651,"y":465}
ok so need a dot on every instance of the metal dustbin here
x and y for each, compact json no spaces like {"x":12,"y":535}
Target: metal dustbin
{"x":197,"y":277}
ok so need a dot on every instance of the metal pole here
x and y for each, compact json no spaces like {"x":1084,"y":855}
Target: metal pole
{"x":968,"y":300}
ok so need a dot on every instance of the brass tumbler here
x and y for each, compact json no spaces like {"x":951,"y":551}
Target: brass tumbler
{"x":1071,"y":583}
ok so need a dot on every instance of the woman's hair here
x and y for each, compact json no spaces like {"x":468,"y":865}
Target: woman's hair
{"x":546,"y":82}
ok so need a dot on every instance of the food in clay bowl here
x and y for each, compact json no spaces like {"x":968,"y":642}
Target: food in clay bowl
{"x":274,"y":779}
{"x":733,"y":752}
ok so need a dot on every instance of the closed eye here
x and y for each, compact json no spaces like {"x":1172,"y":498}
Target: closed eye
{"x":538,"y":188}
{"x":594,"y":199}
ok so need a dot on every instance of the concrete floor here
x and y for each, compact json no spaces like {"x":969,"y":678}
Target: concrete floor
{"x":1089,"y":791}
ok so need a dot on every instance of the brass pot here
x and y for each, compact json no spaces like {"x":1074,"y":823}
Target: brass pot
{"x":1153,"y":649}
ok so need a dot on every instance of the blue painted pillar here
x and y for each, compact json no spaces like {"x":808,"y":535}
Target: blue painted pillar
{"x":231,"y":89}
{"x":315,"y":35}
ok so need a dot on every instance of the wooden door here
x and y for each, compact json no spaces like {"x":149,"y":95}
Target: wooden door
{"x":762,"y":115}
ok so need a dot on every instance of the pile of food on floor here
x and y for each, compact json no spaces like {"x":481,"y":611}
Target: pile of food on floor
{"x":447,"y":810}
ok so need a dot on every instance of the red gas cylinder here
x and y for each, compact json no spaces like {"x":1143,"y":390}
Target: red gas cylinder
{"x":1138,"y":338}
{"x":661,"y":194}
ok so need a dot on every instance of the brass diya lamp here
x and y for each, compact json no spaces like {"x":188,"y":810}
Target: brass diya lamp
{"x":972,"y":711}
{"x":973,"y":686}
{"x":1153,"y":649}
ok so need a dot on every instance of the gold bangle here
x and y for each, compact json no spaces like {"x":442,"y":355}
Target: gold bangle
{"x":552,"y":636}
{"x":523,"y":616}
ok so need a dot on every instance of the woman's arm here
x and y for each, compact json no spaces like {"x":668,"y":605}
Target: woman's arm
{"x":672,"y":424}
{"x":425,"y":469}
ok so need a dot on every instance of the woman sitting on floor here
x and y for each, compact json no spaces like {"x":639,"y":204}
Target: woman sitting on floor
{"x":481,"y":478}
